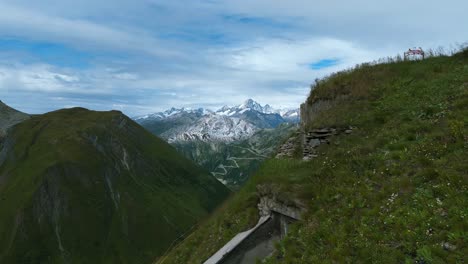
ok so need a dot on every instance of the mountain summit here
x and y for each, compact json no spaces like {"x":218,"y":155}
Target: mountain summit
{"x":251,"y":105}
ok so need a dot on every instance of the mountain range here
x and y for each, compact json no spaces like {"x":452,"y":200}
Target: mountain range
{"x":226,"y":124}
{"x":230,"y":142}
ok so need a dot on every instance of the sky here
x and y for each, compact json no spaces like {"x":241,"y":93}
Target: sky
{"x":144,"y":56}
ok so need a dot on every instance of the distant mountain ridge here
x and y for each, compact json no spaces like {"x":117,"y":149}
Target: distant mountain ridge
{"x":286,"y":113}
{"x":226,"y":124}
{"x":230,"y":142}
{"x":251,"y":105}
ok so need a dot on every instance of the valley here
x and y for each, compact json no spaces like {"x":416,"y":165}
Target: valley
{"x":231,"y":142}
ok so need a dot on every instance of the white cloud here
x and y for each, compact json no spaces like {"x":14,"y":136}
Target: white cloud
{"x":29,"y":24}
{"x":151,"y":55}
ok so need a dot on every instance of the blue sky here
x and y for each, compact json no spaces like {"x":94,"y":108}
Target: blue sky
{"x":324,"y":63}
{"x":149,"y":55}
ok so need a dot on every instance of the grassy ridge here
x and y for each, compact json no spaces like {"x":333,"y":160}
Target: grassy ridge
{"x":80,"y":186}
{"x":394,"y":191}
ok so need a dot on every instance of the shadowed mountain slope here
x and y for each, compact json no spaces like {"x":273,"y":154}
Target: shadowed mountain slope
{"x":79,"y":186}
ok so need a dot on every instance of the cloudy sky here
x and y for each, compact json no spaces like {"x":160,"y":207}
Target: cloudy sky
{"x":142,"y":56}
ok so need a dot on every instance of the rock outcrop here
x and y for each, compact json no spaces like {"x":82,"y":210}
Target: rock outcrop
{"x":276,"y":214}
{"x":286,"y":150}
{"x":272,"y":199}
{"x":310,"y":141}
{"x":316,"y":137}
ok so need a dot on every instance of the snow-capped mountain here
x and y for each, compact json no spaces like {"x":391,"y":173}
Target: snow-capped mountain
{"x":251,"y":105}
{"x":292,"y":116}
{"x":226,"y":124}
{"x":173,"y":112}
{"x":212,"y":127}
{"x":229,"y":142}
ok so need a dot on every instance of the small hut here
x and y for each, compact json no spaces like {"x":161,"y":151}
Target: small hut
{"x":414,"y":53}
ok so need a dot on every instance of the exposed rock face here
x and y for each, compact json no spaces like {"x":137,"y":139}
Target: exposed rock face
{"x":272,"y":199}
{"x":9,"y":117}
{"x":317,"y":137}
{"x":287,"y":149}
{"x":267,"y":205}
{"x":310,"y":141}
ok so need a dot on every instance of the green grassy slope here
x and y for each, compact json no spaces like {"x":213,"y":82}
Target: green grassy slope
{"x":394,"y":191}
{"x":79,"y":186}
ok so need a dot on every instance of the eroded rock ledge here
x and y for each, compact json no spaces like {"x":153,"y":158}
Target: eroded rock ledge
{"x":309,"y":141}
{"x":271,"y":199}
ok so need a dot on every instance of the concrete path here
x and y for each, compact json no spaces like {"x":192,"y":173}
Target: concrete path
{"x":231,"y":245}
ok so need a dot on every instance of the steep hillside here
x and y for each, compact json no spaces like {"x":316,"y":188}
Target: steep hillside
{"x":9,"y":117}
{"x":393,"y":189}
{"x":79,"y":186}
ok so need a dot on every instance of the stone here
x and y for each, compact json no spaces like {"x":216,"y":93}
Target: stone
{"x":321,"y":131}
{"x":324,"y":141}
{"x":448,"y":246}
{"x":321,"y":135}
{"x":314,"y":143}
{"x":268,"y":204}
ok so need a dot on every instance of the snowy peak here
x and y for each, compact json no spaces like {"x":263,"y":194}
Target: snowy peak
{"x":251,"y":104}
{"x":215,"y":127}
{"x":174,"y":112}
{"x":234,"y":111}
{"x":267,"y":109}
{"x":291,"y":115}
{"x":226,"y":124}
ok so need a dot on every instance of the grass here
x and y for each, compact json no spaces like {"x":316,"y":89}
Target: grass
{"x":394,"y":191}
